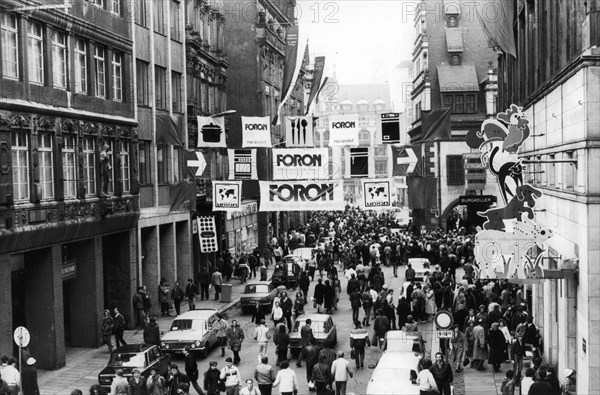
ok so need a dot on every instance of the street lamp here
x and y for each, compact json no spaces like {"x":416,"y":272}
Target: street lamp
{"x":223,"y":113}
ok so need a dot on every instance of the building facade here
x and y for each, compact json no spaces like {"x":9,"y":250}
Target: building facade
{"x":557,"y":81}
{"x":69,"y":188}
{"x":254,"y":88}
{"x":453,"y":68}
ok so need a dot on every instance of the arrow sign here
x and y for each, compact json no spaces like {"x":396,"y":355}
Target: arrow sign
{"x":404,"y":156}
{"x":199,"y":162}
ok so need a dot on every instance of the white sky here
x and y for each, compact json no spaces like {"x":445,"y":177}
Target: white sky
{"x":364,"y":39}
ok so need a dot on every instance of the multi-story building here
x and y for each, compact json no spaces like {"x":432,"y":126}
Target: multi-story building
{"x":453,"y":68}
{"x":69,"y":202}
{"x":556,"y":78}
{"x":369,"y":101}
{"x":254,"y":88}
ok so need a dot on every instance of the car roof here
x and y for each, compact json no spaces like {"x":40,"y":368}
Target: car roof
{"x":314,"y":317}
{"x":197,"y":314}
{"x":395,"y":360}
{"x":257,"y":282}
{"x":131,"y":348}
{"x":403,"y":335}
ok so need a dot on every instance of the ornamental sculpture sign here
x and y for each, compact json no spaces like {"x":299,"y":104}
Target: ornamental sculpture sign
{"x":502,"y":253}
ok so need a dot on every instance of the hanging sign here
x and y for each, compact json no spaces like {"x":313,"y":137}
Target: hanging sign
{"x":389,"y":129}
{"x":377,"y":193}
{"x":301,"y":196}
{"x":256,"y":132}
{"x":242,"y":164}
{"x":211,"y":132}
{"x":343,"y":130}
{"x":298,"y":131}
{"x":300,"y":164}
{"x":227,"y":195}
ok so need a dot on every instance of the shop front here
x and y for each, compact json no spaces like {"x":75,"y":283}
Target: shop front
{"x":241,"y":228}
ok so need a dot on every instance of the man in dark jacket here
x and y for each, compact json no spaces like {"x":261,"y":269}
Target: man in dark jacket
{"x":177,"y":295}
{"x":355,"y":302}
{"x":191,"y":370}
{"x":311,"y":357}
{"x":204,"y":281}
{"x":442,"y":374}
{"x":552,"y":380}
{"x":353,"y":284}
{"x":118,"y":328}
{"x":321,"y":376}
{"x":175,"y":379}
{"x":190,"y":293}
{"x":29,"y":382}
{"x":287,"y":306}
{"x":138,"y":307}
{"x":212,"y":378}
{"x":319,"y":294}
{"x":306,"y":338}
{"x":381,"y":325}
{"x":152,"y":332}
{"x":359,"y":339}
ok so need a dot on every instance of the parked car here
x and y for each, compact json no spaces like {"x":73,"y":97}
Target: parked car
{"x":194,"y":328}
{"x":261,"y":292}
{"x":420,"y":266}
{"x":295,"y":260}
{"x":324,"y":332}
{"x":287,"y":279}
{"x":134,"y":356}
{"x":397,"y":369}
{"x":325,"y":242}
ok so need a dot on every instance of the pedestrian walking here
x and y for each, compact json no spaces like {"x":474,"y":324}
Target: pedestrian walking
{"x":277,"y":313}
{"x":381,"y":325}
{"x":403,"y":311}
{"x":508,"y":384}
{"x":264,"y":376}
{"x":258,"y":313}
{"x":152,"y":332}
{"x":340,"y":370}
{"x":518,"y":353}
{"x":262,"y":336}
{"x":138,"y":308}
{"x":176,"y":380}
{"x":191,"y":370}
{"x":137,"y":384}
{"x":119,"y":385}
{"x":479,"y":346}
{"x":457,"y":348}
{"x":235,"y":337}
{"x":321,"y":377}
{"x":222,"y":327}
{"x":231,"y":375}
{"x":204,"y":280}
{"x":156,"y":383}
{"x":286,"y":380}
{"x":497,"y":344}
{"x":299,"y":304}
{"x":147,"y":303}
{"x":367,"y":304}
{"x":442,"y":374}
{"x":217,"y":282}
{"x":359,"y":340}
{"x":306,"y":338}
{"x":107,"y":330}
{"x":426,"y":381}
{"x":163,"y":298}
{"x":190,"y":294}
{"x":10,"y":374}
{"x":177,"y":296}
{"x":355,"y":303}
{"x":319,"y":295}
{"x":311,"y":357}
{"x":118,"y":328}
{"x":286,"y":306}
{"x":29,"y":380}
{"x":282,"y":341}
{"x":212,"y":378}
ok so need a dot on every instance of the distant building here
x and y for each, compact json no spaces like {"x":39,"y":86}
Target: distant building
{"x":453,"y":68}
{"x":555,"y":77}
{"x":69,"y":190}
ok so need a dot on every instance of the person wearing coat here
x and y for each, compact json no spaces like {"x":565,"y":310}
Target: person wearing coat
{"x":403,"y":311}
{"x":328,"y":297}
{"x":156,"y":383}
{"x":497,"y":344}
{"x":381,"y":325}
{"x":235,"y":337}
{"x":211,"y":379}
{"x":152,"y":332}
{"x":479,"y":346}
{"x":29,"y":382}
{"x":282,"y":341}
{"x":319,"y":294}
{"x":107,"y":329}
{"x":137,"y":384}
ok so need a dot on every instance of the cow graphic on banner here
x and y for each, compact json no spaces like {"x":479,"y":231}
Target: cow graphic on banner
{"x":377,"y":194}
{"x":227,"y":195}
{"x":502,"y":253}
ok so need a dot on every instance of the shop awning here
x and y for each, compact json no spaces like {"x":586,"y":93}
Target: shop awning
{"x":454,"y":39}
{"x":458,"y":78}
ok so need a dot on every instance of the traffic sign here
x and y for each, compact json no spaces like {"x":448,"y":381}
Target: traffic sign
{"x":22,"y":336}
{"x":443,"y":320}
{"x":445,"y":334}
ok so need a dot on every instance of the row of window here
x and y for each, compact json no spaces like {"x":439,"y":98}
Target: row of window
{"x":161,"y":98}
{"x":114,"y":6}
{"x":553,"y":175}
{"x":460,"y":103}
{"x":159,"y":14}
{"x":211,"y":29}
{"x":105,"y":62}
{"x":48,"y":157}
{"x":205,"y":95}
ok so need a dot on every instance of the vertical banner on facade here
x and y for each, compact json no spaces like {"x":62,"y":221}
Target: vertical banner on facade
{"x":227,"y":195}
{"x":207,"y":234}
{"x":211,"y":132}
{"x":377,"y":193}
{"x":343,"y":130}
{"x":256,"y":132}
{"x":359,"y":162}
{"x":291,"y":65}
{"x":301,"y":195}
{"x":242,"y":164}
{"x":389,"y":129}
{"x":298,"y":131}
{"x":300,"y":164}
{"x":316,"y":82}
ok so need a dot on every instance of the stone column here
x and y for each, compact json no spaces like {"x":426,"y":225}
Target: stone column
{"x":184,"y":252}
{"x":6,"y":323}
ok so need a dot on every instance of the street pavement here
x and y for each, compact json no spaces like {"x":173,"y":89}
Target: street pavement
{"x":84,"y":364}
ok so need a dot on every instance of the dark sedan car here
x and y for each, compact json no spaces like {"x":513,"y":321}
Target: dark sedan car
{"x":289,"y":279}
{"x":261,"y":292}
{"x":141,"y":356}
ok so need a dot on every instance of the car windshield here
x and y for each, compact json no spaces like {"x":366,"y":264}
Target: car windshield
{"x":179,"y":325}
{"x":256,"y":288}
{"x":316,"y":326}
{"x":134,"y":360}
{"x":403,"y":345}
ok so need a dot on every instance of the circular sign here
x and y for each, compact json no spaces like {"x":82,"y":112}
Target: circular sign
{"x":22,"y":336}
{"x":443,"y":320}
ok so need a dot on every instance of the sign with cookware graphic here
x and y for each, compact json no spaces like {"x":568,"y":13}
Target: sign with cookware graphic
{"x":343,"y":130}
{"x":377,"y":193}
{"x":298,"y":131}
{"x":211,"y":132}
{"x":301,"y":195}
{"x":227,"y":195}
{"x":300,"y":164}
{"x":256,"y":132}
